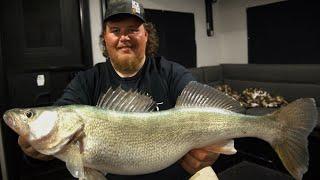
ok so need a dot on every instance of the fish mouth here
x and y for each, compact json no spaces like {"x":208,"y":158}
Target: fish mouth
{"x":9,"y":120}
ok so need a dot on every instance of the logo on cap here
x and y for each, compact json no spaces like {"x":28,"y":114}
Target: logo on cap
{"x":135,"y":7}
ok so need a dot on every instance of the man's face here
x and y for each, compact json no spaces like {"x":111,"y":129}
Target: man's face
{"x":126,"y":41}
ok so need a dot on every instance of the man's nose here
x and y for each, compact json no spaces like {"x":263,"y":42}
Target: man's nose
{"x":124,"y":37}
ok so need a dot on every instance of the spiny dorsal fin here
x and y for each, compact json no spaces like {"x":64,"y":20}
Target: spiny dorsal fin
{"x":200,"y":95}
{"x":125,"y":101}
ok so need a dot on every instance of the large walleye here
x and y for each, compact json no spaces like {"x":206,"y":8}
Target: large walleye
{"x":120,"y":136}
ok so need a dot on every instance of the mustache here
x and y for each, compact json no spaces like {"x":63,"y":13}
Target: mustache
{"x":125,"y":46}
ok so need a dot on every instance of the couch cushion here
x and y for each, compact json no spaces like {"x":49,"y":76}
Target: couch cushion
{"x":212,"y":73}
{"x":290,"y":91}
{"x":198,"y":74}
{"x":292,"y":81}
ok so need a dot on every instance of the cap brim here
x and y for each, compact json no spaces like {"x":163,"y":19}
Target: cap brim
{"x":124,"y":14}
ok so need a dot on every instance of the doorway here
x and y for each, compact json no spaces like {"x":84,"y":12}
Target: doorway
{"x":43,"y":45}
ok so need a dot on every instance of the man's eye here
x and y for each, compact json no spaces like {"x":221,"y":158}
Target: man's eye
{"x":29,"y":114}
{"x":115,"y":31}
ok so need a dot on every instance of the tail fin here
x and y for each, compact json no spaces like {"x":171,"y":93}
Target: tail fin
{"x":297,"y":121}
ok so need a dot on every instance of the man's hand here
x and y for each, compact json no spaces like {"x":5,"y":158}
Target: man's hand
{"x":28,"y":150}
{"x":197,"y":159}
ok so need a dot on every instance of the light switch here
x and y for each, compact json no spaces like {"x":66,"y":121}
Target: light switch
{"x":40,"y":80}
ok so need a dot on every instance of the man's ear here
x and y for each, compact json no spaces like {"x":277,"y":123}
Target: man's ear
{"x":104,"y":32}
{"x":147,"y":35}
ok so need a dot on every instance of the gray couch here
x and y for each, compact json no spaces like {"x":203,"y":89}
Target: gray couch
{"x":290,"y":81}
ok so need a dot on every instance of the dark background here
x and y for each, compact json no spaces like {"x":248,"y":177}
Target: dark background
{"x":285,"y":32}
{"x":176,"y":31}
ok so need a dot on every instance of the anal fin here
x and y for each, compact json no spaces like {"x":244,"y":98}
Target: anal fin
{"x":223,"y":147}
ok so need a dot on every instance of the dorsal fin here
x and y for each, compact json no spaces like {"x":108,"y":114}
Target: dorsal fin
{"x":200,"y":95}
{"x":125,"y":101}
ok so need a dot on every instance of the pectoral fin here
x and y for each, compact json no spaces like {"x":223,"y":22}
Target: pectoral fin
{"x":73,"y":158}
{"x":91,"y":174}
{"x":224,"y":147}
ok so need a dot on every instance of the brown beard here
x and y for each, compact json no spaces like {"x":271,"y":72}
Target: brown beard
{"x":128,"y":66}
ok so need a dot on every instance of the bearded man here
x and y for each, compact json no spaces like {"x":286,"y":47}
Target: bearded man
{"x":130,"y":45}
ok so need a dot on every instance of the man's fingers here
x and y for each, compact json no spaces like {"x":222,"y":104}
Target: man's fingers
{"x":45,"y":157}
{"x":187,"y":167}
{"x":199,"y":154}
{"x":26,"y":147}
{"x":23,"y":143}
{"x":30,"y":151}
{"x":191,"y":161}
{"x":197,"y":159}
{"x":36,"y":155}
{"x":192,"y":165}
{"x":203,"y":155}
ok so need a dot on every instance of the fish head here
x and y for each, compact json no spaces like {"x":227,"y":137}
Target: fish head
{"x":17,"y":120}
{"x":32,"y":123}
{"x":47,"y":129}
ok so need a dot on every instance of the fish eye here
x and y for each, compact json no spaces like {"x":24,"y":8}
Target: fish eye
{"x":29,"y":114}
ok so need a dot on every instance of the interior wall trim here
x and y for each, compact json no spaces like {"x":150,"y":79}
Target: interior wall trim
{"x":85,"y":32}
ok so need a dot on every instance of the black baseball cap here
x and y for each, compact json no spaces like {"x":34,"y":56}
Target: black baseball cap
{"x":124,"y":7}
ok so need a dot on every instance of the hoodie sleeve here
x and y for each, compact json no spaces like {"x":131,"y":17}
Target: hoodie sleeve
{"x":79,"y":90}
{"x":179,"y":77}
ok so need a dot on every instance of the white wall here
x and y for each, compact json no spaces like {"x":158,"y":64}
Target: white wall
{"x":229,"y":43}
{"x":207,"y":47}
{"x":95,"y":21}
{"x":233,"y":29}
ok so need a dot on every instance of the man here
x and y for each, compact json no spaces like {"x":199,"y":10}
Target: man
{"x":130,"y":45}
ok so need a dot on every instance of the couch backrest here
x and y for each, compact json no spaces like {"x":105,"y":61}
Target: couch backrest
{"x":289,"y":81}
{"x":211,"y":75}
